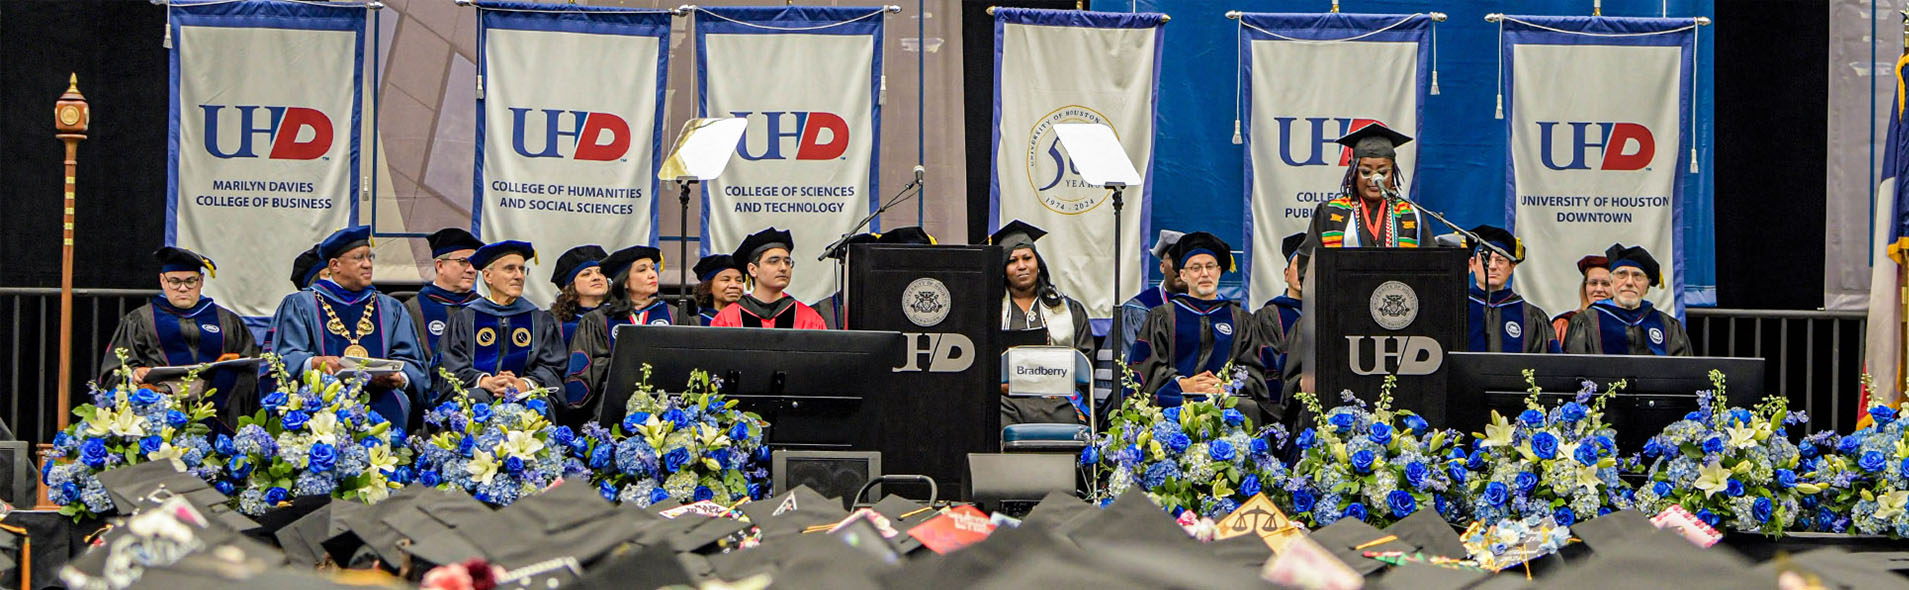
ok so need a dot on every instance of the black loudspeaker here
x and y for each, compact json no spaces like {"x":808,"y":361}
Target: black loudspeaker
{"x":1012,"y":483}
{"x":17,"y":473}
{"x":834,"y":474}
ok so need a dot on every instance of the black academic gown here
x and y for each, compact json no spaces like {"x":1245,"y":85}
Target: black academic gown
{"x":1046,"y":410}
{"x":159,"y":335}
{"x":1279,"y":328}
{"x":484,"y":338}
{"x":1502,"y":321}
{"x":588,"y":371}
{"x":431,"y":310}
{"x":1645,"y":331}
{"x":1191,"y":336}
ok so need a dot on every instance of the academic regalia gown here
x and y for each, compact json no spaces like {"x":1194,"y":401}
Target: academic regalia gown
{"x":1278,"y":322}
{"x":299,"y":327}
{"x":570,"y":325}
{"x":1190,"y":336}
{"x":1605,"y":328}
{"x":1134,"y":312}
{"x":783,"y":313}
{"x":159,"y":335}
{"x":1504,"y":322}
{"x":831,"y":311}
{"x":1079,"y":335}
{"x":485,"y":338}
{"x":588,"y":371}
{"x":431,"y":311}
{"x":1338,"y":224}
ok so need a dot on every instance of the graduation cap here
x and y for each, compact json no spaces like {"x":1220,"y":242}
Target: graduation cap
{"x":1498,"y":236}
{"x":1132,"y":518}
{"x":452,"y":239}
{"x":1164,"y":241}
{"x":1425,"y":576}
{"x":913,"y":234}
{"x":1612,"y":530}
{"x":1289,"y":246}
{"x":1657,"y":560}
{"x":1636,"y":257}
{"x":713,"y":264}
{"x":1061,"y":511}
{"x":424,"y":527}
{"x":138,"y":487}
{"x":570,"y":520}
{"x":1349,"y":539}
{"x":1200,"y":242}
{"x":342,"y":241}
{"x":791,"y":512}
{"x":754,"y":245}
{"x":1587,"y":263}
{"x":1837,"y":568}
{"x":495,"y":250}
{"x":175,"y":259}
{"x":1374,"y":140}
{"x":1015,"y":235}
{"x":305,"y":268}
{"x":620,"y":261}
{"x":650,"y":567}
{"x":573,"y":261}
{"x":1430,"y":533}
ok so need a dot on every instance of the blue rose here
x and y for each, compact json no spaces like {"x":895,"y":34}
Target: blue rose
{"x":514,"y":465}
{"x":1872,"y":461}
{"x":1806,"y":449}
{"x":1741,"y":415}
{"x":150,"y":444}
{"x":1571,"y":412}
{"x":1457,"y":471}
{"x":1882,"y":415}
{"x":1302,"y":501}
{"x":1850,"y":444}
{"x":1905,"y":468}
{"x":659,"y":494}
{"x":70,"y":490}
{"x":1694,"y":416}
{"x":677,"y":417}
{"x":402,"y":476}
{"x":563,"y":436}
{"x":1362,"y":461}
{"x":1713,"y":445}
{"x":1544,"y":445}
{"x":1564,"y":516}
{"x":739,"y":432}
{"x":239,"y":467}
{"x":676,"y":459}
{"x":1220,"y":451}
{"x":1249,"y":487}
{"x":1525,"y":481}
{"x":176,"y":418}
{"x":481,"y":413}
{"x":1787,"y":479}
{"x":1531,"y":418}
{"x":1259,"y":447}
{"x":1379,"y":434}
{"x":606,"y":490}
{"x":1662,"y":489}
{"x":1476,"y":462}
{"x":92,"y":453}
{"x":275,"y":495}
{"x":146,"y":397}
{"x":466,"y":445}
{"x":634,"y":420}
{"x":1342,"y":422}
{"x":1709,"y":518}
{"x":1586,"y":454}
{"x":1761,"y":509}
{"x":222,"y":444}
{"x":1605,"y":443}
{"x":539,"y":406}
{"x":1653,"y":448}
{"x":1172,"y":414}
{"x":1306,"y":439}
{"x":1415,"y":424}
{"x":323,"y":457}
{"x":295,"y":419}
{"x":1178,"y":442}
{"x":702,"y":493}
{"x":1401,"y":503}
{"x":430,"y":479}
{"x":1356,"y":511}
{"x":273,"y":400}
{"x":1090,"y":455}
{"x":1233,"y":417}
{"x":224,"y":487}
{"x":1415,"y":474}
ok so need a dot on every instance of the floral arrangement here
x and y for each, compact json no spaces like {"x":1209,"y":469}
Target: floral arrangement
{"x":1559,"y":463}
{"x":1377,"y":465}
{"x":690,"y":447}
{"x":1734,"y":468}
{"x":1864,"y":477}
{"x":1203,"y":456}
{"x":498,"y":452}
{"x":1513,"y":541}
{"x":312,"y":436}
{"x":126,"y":426}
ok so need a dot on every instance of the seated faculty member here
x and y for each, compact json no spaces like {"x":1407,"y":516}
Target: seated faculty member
{"x":581,"y":286}
{"x":719,"y":283}
{"x":452,"y":285}
{"x":1499,"y":320}
{"x":1627,"y":323}
{"x":502,"y":342}
{"x":1184,"y":348}
{"x":345,"y":316}
{"x":765,"y":258}
{"x":180,"y":326}
{"x":632,"y":300}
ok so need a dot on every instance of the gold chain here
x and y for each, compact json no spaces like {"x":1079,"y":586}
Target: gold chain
{"x":336,"y":326}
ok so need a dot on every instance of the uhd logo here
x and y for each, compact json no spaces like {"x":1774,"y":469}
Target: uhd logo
{"x":1314,"y":135}
{"x":807,"y":128}
{"x":1621,"y":146}
{"x":599,"y":137}
{"x":294,"y":133}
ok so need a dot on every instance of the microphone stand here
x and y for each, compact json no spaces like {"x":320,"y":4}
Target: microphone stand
{"x":837,"y":248}
{"x":1392,"y":196}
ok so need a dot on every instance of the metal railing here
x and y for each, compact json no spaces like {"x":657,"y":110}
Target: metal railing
{"x":29,"y":333}
{"x":1815,"y":358}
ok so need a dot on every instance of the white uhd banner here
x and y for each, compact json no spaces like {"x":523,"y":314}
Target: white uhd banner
{"x":1065,"y":66}
{"x":1595,"y":110}
{"x":1292,"y":122}
{"x":569,"y":139}
{"x":263,"y":150}
{"x":806,"y":78}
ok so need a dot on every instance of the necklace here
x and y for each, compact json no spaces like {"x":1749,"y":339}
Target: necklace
{"x":365,"y":326}
{"x":1376,"y":225}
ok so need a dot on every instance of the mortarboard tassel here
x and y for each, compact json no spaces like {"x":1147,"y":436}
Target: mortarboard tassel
{"x":480,"y":87}
{"x":883,"y":99}
{"x":1435,"y":82}
{"x":1500,"y":114}
{"x":1236,"y":132}
{"x":1694,"y":169}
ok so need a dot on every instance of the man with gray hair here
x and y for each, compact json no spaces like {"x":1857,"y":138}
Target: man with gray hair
{"x":1134,"y":311}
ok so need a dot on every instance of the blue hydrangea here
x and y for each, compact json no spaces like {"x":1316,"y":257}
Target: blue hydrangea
{"x":1158,"y":473}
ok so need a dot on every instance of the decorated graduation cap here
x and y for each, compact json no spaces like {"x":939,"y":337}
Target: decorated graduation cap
{"x":1290,"y":246}
{"x":573,"y":261}
{"x":1015,"y":235}
{"x":619,"y":262}
{"x":1498,"y":236}
{"x":712,"y":265}
{"x":342,"y":241}
{"x":1374,"y":140}
{"x":1636,"y":257}
{"x":175,"y":259}
{"x":495,"y":250}
{"x":1200,"y":242}
{"x":305,"y":268}
{"x":452,"y":239}
{"x":913,"y":234}
{"x":759,"y":242}
{"x":1587,"y":263}
{"x":1164,"y":241}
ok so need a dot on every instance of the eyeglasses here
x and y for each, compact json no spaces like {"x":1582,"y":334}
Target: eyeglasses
{"x":777,"y":261}
{"x":368,"y":257}
{"x":185,"y":283}
{"x":1201,"y":269}
{"x":466,"y":261}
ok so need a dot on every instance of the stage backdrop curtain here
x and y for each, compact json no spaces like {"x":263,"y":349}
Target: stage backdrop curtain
{"x":263,"y":145}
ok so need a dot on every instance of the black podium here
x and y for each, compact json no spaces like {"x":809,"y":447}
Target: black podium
{"x":1371,"y":312}
{"x":944,"y":399}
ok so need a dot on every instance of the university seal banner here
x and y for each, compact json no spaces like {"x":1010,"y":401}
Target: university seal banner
{"x":1065,"y":66}
{"x":570,"y":132}
{"x":807,"y":79}
{"x":264,"y":137}
{"x":1597,"y":116}
{"x":1291,"y":121}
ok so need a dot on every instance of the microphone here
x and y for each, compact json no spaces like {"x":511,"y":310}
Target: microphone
{"x":1378,"y":180}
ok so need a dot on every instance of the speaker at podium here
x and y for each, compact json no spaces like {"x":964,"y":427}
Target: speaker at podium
{"x":1372,"y":312}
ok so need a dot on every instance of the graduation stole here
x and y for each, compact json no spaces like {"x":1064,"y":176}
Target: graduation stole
{"x":570,"y":324}
{"x":1058,"y":322}
{"x":1614,"y":323}
{"x":168,"y":324}
{"x":436,"y":303}
{"x":1511,"y":334}
{"x":782,"y":318}
{"x":503,"y":342}
{"x":1201,"y":326}
{"x":657,"y":314}
{"x":344,"y":315}
{"x":1353,"y":210}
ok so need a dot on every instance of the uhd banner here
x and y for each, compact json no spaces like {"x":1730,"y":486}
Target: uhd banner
{"x":263,"y":152}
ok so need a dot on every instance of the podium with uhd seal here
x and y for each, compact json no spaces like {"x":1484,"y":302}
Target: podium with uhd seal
{"x":1371,"y":312}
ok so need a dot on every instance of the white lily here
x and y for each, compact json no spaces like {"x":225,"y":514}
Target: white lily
{"x":102,"y":423}
{"x":1891,"y":504}
{"x":167,"y":452}
{"x":1587,"y":477}
{"x":482,"y":467}
{"x":1741,"y":436}
{"x":127,"y":424}
{"x":1712,"y":478}
{"x":1498,"y":433}
{"x":377,"y":491}
{"x":324,"y":427}
{"x":520,"y":444}
{"x":381,"y":459}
